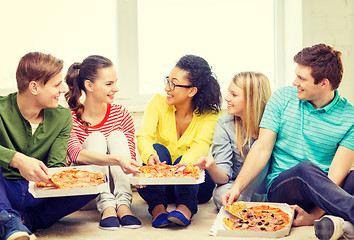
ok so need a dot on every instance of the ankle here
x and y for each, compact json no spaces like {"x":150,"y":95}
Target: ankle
{"x":109,"y":212}
{"x":157,"y":211}
{"x":123,"y":210}
{"x":184,"y":210}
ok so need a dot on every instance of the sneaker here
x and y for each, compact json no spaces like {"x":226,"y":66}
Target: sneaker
{"x":329,"y":228}
{"x":130,"y":221}
{"x":110,"y":223}
{"x":11,"y":228}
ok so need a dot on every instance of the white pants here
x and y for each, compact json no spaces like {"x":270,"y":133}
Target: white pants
{"x":120,"y":189}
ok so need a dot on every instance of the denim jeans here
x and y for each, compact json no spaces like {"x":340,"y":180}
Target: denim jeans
{"x":307,"y":186}
{"x":188,"y":195}
{"x":36,"y":212}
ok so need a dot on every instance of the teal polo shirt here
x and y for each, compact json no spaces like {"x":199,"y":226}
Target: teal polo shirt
{"x":49,"y":142}
{"x":305,"y":133}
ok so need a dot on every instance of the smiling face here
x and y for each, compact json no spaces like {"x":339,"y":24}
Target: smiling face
{"x":49,"y":93}
{"x":105,"y":86}
{"x":307,"y":90}
{"x":235,"y":100}
{"x":179,"y":95}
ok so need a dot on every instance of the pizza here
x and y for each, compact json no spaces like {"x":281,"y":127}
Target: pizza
{"x":74,"y":178}
{"x":261,"y":217}
{"x":163,"y":170}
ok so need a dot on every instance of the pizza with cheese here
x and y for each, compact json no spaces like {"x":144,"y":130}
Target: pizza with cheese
{"x":261,"y":217}
{"x":74,"y":178}
{"x":163,"y":170}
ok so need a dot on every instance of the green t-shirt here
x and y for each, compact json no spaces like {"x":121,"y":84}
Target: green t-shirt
{"x":48,"y":143}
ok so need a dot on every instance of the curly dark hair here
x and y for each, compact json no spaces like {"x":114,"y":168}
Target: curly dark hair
{"x":324,"y":61}
{"x":208,"y":96}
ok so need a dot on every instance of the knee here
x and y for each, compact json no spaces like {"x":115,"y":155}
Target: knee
{"x":305,"y":168}
{"x":117,"y":136}
{"x":217,"y":197}
{"x":96,"y":136}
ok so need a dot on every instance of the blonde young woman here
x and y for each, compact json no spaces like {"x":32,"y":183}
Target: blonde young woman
{"x":236,"y":132}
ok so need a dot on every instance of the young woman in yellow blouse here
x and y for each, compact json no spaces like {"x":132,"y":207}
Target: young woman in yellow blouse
{"x":178,"y":128}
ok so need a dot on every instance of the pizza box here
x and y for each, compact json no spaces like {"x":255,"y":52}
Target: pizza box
{"x":40,"y":192}
{"x":134,"y":180}
{"x":218,"y":228}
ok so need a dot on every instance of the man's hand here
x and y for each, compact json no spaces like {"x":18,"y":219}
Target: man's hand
{"x":30,"y":168}
{"x":303,"y":218}
{"x":153,"y":160}
{"x":230,"y":196}
{"x":205,"y":163}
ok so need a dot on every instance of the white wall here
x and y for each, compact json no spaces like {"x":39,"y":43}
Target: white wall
{"x":332,"y":22}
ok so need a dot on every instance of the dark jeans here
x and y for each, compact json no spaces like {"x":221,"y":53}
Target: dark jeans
{"x":36,"y":212}
{"x":188,"y":195}
{"x":307,"y":186}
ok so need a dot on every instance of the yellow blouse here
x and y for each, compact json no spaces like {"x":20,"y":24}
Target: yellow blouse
{"x":159,"y":126}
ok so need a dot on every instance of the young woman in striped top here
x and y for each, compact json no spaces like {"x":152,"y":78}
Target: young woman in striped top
{"x":103,"y":134}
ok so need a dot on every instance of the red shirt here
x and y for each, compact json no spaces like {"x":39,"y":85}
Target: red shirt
{"x":117,"y":118}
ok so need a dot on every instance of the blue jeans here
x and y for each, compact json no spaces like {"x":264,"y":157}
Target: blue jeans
{"x":188,"y":195}
{"x":36,"y":212}
{"x":307,"y":186}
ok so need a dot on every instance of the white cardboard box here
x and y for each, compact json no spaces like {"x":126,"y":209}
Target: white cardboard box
{"x":168,"y":181}
{"x":218,"y":228}
{"x":40,"y":192}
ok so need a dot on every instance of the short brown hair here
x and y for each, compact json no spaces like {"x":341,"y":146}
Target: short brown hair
{"x":324,"y":61}
{"x":36,"y":66}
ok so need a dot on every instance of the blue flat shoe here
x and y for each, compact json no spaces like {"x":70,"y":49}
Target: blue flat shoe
{"x":110,"y":223}
{"x":161,"y":221}
{"x":178,"y":218}
{"x":130,"y":221}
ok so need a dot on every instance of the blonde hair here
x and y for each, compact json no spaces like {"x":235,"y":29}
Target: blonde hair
{"x":256,"y":93}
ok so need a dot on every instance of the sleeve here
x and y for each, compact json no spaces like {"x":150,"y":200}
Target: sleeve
{"x":202,"y":140}
{"x":222,"y":149}
{"x":147,"y":134}
{"x":74,"y":149}
{"x":129,"y":131}
{"x":348,"y":139}
{"x":272,"y":114}
{"x":6,"y":154}
{"x":58,"y":150}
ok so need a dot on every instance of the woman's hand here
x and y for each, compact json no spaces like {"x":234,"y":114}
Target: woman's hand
{"x":230,"y":196}
{"x":153,"y":160}
{"x":128,"y":165}
{"x":205,"y":163}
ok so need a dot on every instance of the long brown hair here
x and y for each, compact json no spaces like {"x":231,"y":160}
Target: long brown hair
{"x":76,"y":76}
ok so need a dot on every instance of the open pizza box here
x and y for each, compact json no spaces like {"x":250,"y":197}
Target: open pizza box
{"x":40,"y":192}
{"x":218,"y":228}
{"x":135,"y":180}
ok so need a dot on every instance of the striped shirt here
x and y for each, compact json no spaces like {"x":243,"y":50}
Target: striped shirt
{"x":117,"y":118}
{"x":305,"y":133}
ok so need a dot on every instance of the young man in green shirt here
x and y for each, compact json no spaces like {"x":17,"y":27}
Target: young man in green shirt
{"x":34,"y":135}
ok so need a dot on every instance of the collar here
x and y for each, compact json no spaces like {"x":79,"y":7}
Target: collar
{"x":329,"y":107}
